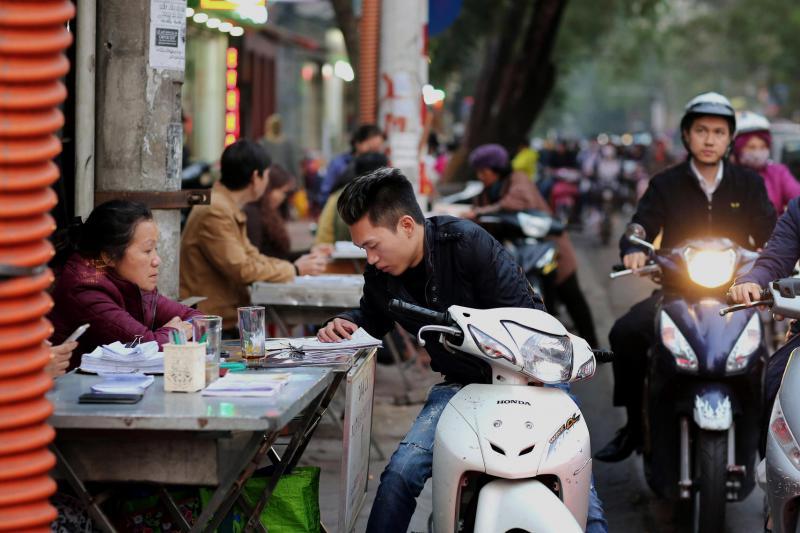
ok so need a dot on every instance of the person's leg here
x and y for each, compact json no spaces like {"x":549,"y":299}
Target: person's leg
{"x":570,"y":294}
{"x":776,"y":365}
{"x":630,"y":338}
{"x":409,"y":467}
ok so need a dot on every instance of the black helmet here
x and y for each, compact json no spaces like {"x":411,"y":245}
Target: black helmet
{"x":709,"y":104}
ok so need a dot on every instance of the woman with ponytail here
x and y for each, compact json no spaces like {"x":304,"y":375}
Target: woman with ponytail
{"x":109,"y":281}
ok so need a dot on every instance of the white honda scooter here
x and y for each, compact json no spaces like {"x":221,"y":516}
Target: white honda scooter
{"x":513,"y":455}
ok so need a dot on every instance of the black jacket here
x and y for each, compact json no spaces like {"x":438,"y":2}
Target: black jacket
{"x":676,"y":204}
{"x":465,"y":266}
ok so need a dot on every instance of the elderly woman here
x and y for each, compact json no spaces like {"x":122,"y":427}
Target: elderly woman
{"x":110,"y":283}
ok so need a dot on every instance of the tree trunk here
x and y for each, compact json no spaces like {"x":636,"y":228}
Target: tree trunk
{"x":348,"y":23}
{"x":517,"y":76}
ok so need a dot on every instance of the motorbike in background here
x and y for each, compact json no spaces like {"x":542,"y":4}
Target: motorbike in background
{"x":703,"y":391}
{"x":565,"y":194}
{"x":512,"y":455}
{"x":525,"y":235}
{"x":782,"y":462}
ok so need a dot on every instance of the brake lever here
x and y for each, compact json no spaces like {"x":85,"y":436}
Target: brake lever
{"x":447,"y":330}
{"x":741,"y":307}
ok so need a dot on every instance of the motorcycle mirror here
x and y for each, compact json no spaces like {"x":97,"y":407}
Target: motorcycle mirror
{"x":635,"y":233}
{"x":635,"y":230}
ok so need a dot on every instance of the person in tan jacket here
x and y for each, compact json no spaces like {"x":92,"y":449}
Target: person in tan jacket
{"x":217,"y":259}
{"x":505,"y":190}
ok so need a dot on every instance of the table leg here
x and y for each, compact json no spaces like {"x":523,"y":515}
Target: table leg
{"x":173,"y":509}
{"x":295,"y":449}
{"x":233,"y":481}
{"x":398,"y":360}
{"x":276,"y":319}
{"x":86,"y":498}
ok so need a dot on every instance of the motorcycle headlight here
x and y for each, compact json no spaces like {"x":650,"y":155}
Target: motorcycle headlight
{"x":710,"y":268}
{"x":545,"y":357}
{"x":780,"y":430}
{"x":491,"y":346}
{"x":677,"y":344}
{"x":746,"y":344}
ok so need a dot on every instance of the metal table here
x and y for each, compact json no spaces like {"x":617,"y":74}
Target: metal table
{"x":185,"y":439}
{"x":314,"y":300}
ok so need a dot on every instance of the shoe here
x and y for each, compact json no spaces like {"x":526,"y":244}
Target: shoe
{"x":621,"y":446}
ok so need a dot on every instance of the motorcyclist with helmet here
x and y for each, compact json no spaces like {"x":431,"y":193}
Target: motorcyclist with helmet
{"x":700,"y":197}
{"x":751,"y":148}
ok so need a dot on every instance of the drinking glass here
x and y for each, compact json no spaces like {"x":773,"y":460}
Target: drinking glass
{"x":208,"y":329}
{"x":252,"y":332}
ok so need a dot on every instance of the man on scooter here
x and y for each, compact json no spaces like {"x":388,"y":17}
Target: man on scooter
{"x":436,"y":263}
{"x":703,"y":196}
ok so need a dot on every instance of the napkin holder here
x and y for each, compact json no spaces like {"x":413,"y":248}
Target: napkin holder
{"x":184,"y":367}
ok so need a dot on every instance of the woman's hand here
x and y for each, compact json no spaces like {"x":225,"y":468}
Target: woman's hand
{"x":311,"y":264}
{"x":178,"y":324}
{"x":59,"y":358}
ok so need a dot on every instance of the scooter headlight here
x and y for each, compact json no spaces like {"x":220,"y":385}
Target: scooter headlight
{"x":779,"y":429}
{"x":677,"y":344}
{"x":748,"y":342}
{"x":533,"y":226}
{"x":710,"y":268}
{"x":490,"y":346}
{"x":545,"y":357}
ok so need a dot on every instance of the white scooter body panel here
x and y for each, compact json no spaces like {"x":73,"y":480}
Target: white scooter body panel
{"x":491,"y":429}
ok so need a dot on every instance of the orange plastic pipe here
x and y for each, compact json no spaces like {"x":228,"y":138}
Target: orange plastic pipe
{"x":33,"y":37}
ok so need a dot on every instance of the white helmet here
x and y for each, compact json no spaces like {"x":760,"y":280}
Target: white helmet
{"x":708,"y":104}
{"x":748,"y":121}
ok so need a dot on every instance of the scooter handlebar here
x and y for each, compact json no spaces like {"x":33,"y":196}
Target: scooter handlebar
{"x":422,"y":314}
{"x":603,"y":356}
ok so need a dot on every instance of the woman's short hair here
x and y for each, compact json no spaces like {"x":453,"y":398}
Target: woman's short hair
{"x":110,"y":227}
{"x":384,"y":195}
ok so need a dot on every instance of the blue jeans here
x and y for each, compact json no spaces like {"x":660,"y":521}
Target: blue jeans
{"x":412,"y":464}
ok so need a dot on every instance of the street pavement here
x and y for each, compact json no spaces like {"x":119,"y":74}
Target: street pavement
{"x":630,"y":505}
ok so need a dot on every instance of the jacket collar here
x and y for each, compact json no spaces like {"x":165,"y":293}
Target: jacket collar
{"x":221,"y":196}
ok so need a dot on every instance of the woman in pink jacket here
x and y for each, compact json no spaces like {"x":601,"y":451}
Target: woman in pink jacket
{"x":110,"y":283}
{"x":751,"y":148}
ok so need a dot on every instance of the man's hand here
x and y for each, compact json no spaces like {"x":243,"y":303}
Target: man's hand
{"x":745,"y":293}
{"x":336,"y":330}
{"x":635,"y":260}
{"x":311,"y":264}
{"x":180,"y":325}
{"x":325,"y":249}
{"x":59,"y":359}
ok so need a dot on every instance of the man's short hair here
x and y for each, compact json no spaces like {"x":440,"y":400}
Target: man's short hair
{"x":364,"y":132}
{"x":384,"y":195}
{"x":238,"y":162}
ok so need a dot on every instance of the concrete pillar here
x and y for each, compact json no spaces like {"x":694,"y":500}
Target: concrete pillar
{"x":403,"y":72}
{"x":138,"y":127}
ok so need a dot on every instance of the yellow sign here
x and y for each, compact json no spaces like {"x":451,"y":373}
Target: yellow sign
{"x":230,"y":5}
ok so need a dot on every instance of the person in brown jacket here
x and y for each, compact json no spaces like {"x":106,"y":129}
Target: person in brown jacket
{"x":217,"y":259}
{"x":505,"y":190}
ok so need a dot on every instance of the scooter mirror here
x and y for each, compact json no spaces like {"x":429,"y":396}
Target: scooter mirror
{"x":635,"y":230}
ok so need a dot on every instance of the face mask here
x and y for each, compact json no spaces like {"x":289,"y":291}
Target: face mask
{"x":755,"y":158}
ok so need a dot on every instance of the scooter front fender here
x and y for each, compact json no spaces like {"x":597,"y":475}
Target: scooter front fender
{"x":526,"y":504}
{"x":713,"y":410}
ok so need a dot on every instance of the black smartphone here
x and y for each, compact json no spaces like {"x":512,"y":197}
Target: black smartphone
{"x":95,"y":397}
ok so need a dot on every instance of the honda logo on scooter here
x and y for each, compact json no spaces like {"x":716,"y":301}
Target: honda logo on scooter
{"x":519,"y":402}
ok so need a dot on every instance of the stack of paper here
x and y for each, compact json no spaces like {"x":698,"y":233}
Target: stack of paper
{"x":347,"y":250}
{"x":247,"y":384}
{"x":116,"y":358}
{"x":308,"y":351}
{"x":134,"y":383}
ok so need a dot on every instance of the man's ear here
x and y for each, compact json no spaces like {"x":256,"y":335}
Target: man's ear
{"x":407,"y":224}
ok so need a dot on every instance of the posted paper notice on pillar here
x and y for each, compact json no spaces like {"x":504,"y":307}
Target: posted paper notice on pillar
{"x":168,"y":34}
